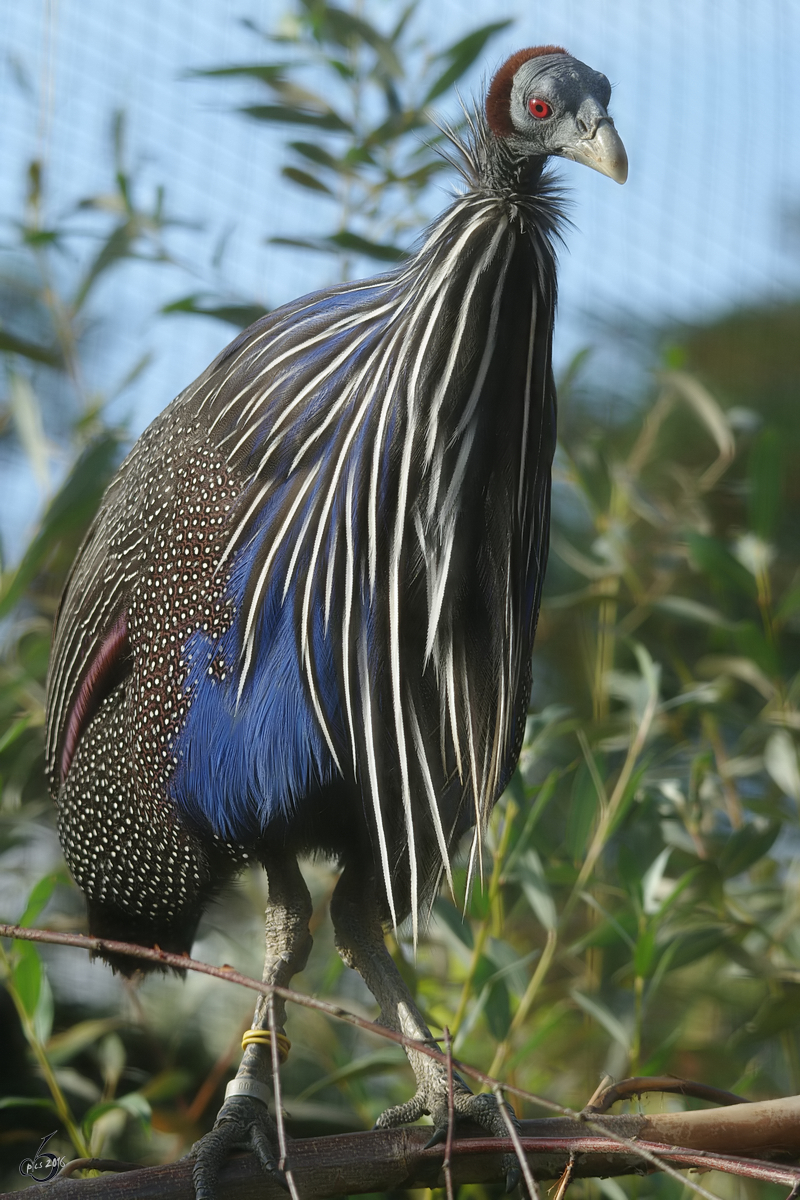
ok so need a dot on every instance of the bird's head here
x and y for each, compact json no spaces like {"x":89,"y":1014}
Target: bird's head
{"x":543,"y":101}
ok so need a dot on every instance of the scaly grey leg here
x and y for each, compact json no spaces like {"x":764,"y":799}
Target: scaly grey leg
{"x":244,"y":1120}
{"x":360,"y":942}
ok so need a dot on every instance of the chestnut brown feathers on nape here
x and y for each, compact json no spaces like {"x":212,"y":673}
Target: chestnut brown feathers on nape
{"x":498,"y":99}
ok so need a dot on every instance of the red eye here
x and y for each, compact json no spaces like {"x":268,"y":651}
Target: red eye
{"x":539,"y":108}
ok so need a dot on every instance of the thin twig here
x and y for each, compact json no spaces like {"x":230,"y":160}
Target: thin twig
{"x":599,"y":1091}
{"x":97,"y":1164}
{"x":533,"y":1191}
{"x":642,"y":1085}
{"x":276,"y":1092}
{"x":448,"y":1146}
{"x":566,"y":1178}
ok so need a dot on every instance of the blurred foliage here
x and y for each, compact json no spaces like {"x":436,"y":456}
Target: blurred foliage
{"x":641,"y":910}
{"x":360,"y":98}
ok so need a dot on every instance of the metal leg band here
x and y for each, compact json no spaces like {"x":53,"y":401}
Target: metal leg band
{"x":243,"y":1085}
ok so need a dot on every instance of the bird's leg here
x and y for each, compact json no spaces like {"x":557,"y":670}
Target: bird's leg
{"x":244,"y":1119}
{"x":360,"y":942}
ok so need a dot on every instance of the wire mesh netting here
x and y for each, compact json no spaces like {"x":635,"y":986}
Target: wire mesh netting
{"x":705,"y":96}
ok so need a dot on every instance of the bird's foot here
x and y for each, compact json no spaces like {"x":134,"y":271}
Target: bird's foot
{"x":431,"y":1100}
{"x":243,"y":1123}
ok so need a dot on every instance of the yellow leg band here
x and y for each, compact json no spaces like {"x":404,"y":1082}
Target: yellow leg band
{"x":263,"y":1037}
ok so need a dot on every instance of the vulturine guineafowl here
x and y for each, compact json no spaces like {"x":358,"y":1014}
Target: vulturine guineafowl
{"x":303,"y":618}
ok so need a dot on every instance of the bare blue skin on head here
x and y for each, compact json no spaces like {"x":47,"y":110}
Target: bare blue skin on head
{"x":578,"y":127}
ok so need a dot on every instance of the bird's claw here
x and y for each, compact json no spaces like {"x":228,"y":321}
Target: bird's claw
{"x":482,"y":1109}
{"x":242,"y":1124}
{"x":512,"y":1179}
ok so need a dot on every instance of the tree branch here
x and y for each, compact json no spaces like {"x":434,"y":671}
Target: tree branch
{"x":391,"y":1159}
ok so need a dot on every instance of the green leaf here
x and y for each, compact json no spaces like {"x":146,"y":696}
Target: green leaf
{"x":61,"y":1047}
{"x":745,"y":847}
{"x":684,"y":608}
{"x":360,"y":1068}
{"x":304,"y":179}
{"x":716,"y":561}
{"x":27,"y":975}
{"x":765,"y":476}
{"x":604,"y":1017}
{"x":780,"y":759}
{"x":45,"y":1010}
{"x":360,"y":245}
{"x":644,"y":956}
{"x":529,"y":872}
{"x":693,"y":946}
{"x":11,"y":344}
{"x":498,"y":1010}
{"x":26,"y":1101}
{"x":117,"y":246}
{"x":317,"y":154}
{"x":269,"y":73}
{"x":133,"y":1103}
{"x":345,"y":241}
{"x":290,"y":115}
{"x":461,"y":55}
{"x":14,"y":731}
{"x":26,"y":411}
{"x":582,"y":810}
{"x":454,"y":920}
{"x":346,"y":29}
{"x":39,"y":896}
{"x":240,"y":315}
{"x":71,"y":508}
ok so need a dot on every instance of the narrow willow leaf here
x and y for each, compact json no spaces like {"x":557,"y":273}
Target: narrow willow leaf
{"x":780,"y":759}
{"x":452,"y":917}
{"x":39,"y":896}
{"x":644,"y":956}
{"x":652,"y":881}
{"x":687,"y":609}
{"x":15,"y":730}
{"x":70,"y":509}
{"x":27,"y":414}
{"x":581,"y":816}
{"x":306,"y":180}
{"x":596,"y":1009}
{"x":317,"y":154}
{"x":27,"y":975}
{"x":461,"y":55}
{"x":117,"y":246}
{"x":765,"y":476}
{"x":710,"y":555}
{"x":45,"y":1010}
{"x":345,"y":241}
{"x":530,"y":874}
{"x":283,"y":113}
{"x":240,"y":315}
{"x":745,"y":847}
{"x":265,"y":72}
{"x":360,"y":1068}
{"x":348,"y":29}
{"x":12,"y":344}
{"x":63,"y":1046}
